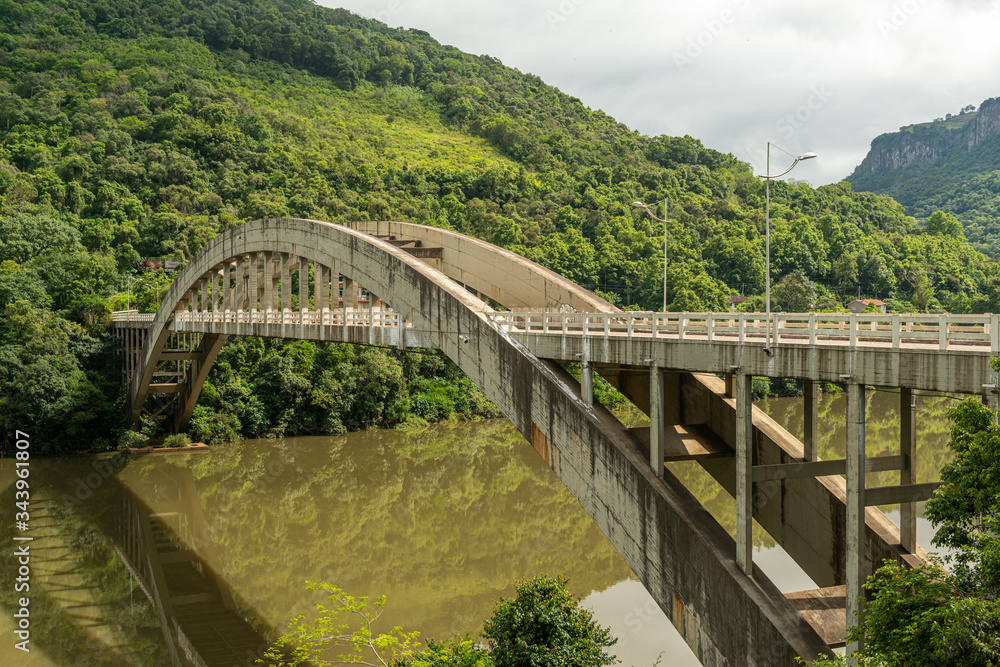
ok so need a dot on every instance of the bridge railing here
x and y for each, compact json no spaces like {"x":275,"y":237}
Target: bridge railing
{"x":376,"y":318}
{"x":939,"y":331}
{"x":131,"y":316}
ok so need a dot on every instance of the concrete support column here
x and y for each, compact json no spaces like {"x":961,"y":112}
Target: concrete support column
{"x":286,"y":285}
{"x":991,"y":399}
{"x":303,"y":285}
{"x":371,"y":318}
{"x":242,"y":285}
{"x":267,"y":301}
{"x":252,"y":291}
{"x":810,"y":437}
{"x":657,"y":390}
{"x":322,"y":287}
{"x":350,"y":295}
{"x":855,"y":505}
{"x":227,"y":290}
{"x":203,"y":294}
{"x":217,"y":303}
{"x":908,"y":474}
{"x":744,"y":472}
{"x":587,"y":382}
{"x":344,"y":333}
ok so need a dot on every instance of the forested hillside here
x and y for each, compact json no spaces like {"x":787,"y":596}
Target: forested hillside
{"x":951,"y":164}
{"x":141,"y":129}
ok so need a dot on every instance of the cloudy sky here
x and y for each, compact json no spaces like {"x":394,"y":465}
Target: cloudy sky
{"x":809,"y":76}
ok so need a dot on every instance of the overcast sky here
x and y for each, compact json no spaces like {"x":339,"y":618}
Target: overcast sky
{"x":825,"y":77}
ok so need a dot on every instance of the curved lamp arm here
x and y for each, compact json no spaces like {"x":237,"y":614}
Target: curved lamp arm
{"x":800,"y":158}
{"x":639,"y":204}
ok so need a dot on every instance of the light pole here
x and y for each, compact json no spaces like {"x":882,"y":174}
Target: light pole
{"x":664,"y":220}
{"x":128,"y":291}
{"x":767,"y":228}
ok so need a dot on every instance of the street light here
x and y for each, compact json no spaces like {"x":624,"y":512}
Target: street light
{"x":664,"y":220}
{"x":767,"y":228}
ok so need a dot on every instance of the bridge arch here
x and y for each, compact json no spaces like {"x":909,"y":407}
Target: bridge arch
{"x":682,"y":555}
{"x":242,"y":268}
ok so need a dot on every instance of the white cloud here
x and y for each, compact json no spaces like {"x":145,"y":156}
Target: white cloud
{"x":823,"y":77}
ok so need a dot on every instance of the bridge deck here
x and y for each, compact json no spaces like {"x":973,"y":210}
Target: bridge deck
{"x":935,"y":353}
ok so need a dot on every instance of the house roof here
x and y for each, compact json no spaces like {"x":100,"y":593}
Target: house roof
{"x":867,"y":302}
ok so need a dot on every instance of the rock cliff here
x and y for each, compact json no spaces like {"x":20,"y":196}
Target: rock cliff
{"x":925,"y":143}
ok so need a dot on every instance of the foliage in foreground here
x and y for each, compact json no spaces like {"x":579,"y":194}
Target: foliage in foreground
{"x":925,"y":616}
{"x":542,"y":626}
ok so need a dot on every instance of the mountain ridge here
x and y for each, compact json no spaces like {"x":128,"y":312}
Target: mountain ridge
{"x":925,"y":142}
{"x":950,"y":164}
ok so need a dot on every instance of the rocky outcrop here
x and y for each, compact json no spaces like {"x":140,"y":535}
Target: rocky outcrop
{"x":987,"y":123}
{"x":927,"y":142}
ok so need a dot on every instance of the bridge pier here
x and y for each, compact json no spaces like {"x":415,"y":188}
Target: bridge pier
{"x":810,"y":437}
{"x":856,"y":570}
{"x":587,"y":381}
{"x":908,"y":473}
{"x":742,"y":394}
{"x":657,"y":398}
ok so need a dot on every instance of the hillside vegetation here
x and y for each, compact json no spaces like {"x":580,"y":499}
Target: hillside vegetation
{"x":131,"y":130}
{"x":950,"y":165}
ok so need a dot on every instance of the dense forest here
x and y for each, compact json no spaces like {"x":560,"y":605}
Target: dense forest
{"x":139,"y":129}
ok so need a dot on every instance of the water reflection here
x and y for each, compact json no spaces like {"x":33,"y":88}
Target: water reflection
{"x":84,"y":607}
{"x":442,"y":520}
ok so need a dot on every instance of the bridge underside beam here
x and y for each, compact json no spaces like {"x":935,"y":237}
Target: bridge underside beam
{"x":208,"y":350}
{"x":806,"y":515}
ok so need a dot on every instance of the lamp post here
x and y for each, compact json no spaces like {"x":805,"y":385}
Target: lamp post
{"x":767,"y":228}
{"x":664,"y":220}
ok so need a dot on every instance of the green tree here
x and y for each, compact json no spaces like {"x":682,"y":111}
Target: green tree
{"x":24,"y":236}
{"x":795,"y":292}
{"x":344,"y":627}
{"x":945,"y":224}
{"x":924,"y":616}
{"x":544,"y":626}
{"x":966,"y":508}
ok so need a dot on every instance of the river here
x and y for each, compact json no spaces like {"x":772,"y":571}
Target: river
{"x":442,"y":520}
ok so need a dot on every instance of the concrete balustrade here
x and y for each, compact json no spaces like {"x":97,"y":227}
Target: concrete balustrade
{"x":895,"y":331}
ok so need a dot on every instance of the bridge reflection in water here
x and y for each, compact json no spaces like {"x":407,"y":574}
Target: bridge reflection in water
{"x":168,"y":551}
{"x":442,"y":286}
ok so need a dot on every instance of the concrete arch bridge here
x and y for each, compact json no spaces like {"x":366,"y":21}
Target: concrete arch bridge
{"x":432,"y":288}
